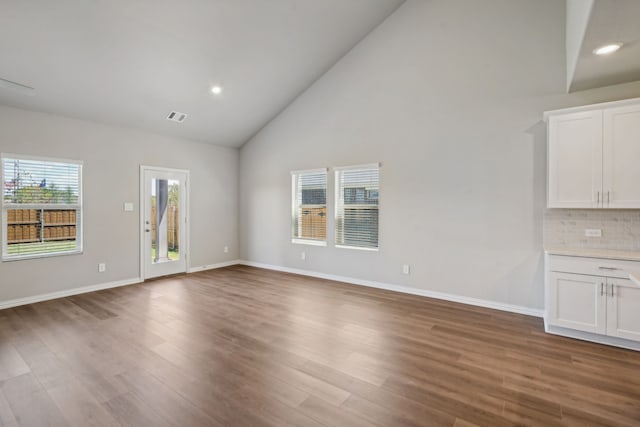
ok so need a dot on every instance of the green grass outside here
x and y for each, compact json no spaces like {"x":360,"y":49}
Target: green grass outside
{"x":40,"y":247}
{"x":174,"y":255}
{"x":62,"y":246}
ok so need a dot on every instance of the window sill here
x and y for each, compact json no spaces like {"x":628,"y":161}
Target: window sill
{"x":309,"y":242}
{"x":359,"y":248}
{"x":49,"y":255}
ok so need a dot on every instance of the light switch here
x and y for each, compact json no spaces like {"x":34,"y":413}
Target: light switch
{"x":128,"y":207}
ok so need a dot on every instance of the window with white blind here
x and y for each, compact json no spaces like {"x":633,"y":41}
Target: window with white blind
{"x":309,"y":207}
{"x":41,"y":207}
{"x":357,"y":197}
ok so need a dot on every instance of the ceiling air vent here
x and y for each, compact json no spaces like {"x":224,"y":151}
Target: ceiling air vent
{"x":177,"y":117}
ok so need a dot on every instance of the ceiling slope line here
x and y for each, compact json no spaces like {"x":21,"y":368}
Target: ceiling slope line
{"x":577,"y":19}
{"x":321,"y":74}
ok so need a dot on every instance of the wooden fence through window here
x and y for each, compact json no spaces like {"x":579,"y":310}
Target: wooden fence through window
{"x":173,"y":227}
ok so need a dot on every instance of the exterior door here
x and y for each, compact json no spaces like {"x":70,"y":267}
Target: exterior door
{"x":578,"y":302}
{"x":164,"y":221}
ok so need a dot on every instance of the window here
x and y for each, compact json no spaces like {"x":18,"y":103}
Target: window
{"x":357,"y":197}
{"x":309,"y":213}
{"x":41,"y":207}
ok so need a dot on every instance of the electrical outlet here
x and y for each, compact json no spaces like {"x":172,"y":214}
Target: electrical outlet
{"x":303,"y":255}
{"x":102,"y":267}
{"x":596,"y":232}
{"x":406,"y":269}
{"x":226,"y":249}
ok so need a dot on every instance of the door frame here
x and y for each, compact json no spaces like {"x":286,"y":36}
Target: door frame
{"x":187,"y":226}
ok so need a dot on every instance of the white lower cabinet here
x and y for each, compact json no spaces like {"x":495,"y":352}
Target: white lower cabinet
{"x":577,"y":302}
{"x":594,"y":298}
{"x":623,"y":310}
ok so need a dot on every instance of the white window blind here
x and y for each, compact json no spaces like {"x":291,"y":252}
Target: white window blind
{"x":41,"y":207}
{"x":357,"y":197}
{"x":309,"y":211}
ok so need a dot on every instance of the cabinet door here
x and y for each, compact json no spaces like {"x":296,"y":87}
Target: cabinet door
{"x":621,"y":157}
{"x":577,"y":301}
{"x":575,"y":160}
{"x":623,"y":309}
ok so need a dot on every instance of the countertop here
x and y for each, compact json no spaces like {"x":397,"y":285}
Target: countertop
{"x":595,"y":253}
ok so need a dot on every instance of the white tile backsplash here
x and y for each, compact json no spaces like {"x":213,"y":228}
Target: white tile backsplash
{"x":566,"y":227}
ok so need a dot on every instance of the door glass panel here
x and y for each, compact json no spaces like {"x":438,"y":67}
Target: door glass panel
{"x":165,"y":233}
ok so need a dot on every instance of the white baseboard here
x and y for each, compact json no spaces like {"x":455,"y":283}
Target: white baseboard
{"x":586,"y":336}
{"x":214,"y":266}
{"x":67,"y":293}
{"x":404,"y":289}
{"x":85,"y":289}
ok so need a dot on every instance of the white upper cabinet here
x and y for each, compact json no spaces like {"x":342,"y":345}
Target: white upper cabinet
{"x":575,"y":160}
{"x":594,"y":156}
{"x":621,"y":157}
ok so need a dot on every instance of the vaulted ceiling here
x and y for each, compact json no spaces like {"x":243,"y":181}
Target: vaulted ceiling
{"x":132,"y":62}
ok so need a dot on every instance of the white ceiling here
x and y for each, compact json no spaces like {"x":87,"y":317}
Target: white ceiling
{"x":609,"y":21}
{"x":131,"y":62}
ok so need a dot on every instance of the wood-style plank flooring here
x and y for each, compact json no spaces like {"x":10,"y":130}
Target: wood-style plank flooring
{"x":242,"y":346}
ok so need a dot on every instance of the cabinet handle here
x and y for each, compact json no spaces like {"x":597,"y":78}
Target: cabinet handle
{"x":608,"y":268}
{"x":612,"y":289}
{"x":598,"y":199}
{"x":601,"y":289}
{"x":608,"y":196}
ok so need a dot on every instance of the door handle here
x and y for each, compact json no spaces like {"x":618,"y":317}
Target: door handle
{"x":147,"y":230}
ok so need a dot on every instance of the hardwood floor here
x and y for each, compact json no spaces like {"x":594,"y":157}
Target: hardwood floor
{"x":242,"y":346}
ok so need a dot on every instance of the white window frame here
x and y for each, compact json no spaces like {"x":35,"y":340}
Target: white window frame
{"x":78,"y":207}
{"x":339,"y":204}
{"x":294,"y":206}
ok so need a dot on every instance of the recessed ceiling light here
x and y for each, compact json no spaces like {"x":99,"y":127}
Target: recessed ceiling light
{"x":216,"y":90}
{"x":607,"y":49}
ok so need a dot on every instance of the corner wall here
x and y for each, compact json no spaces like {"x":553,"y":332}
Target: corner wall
{"x":112,"y":157}
{"x":449,"y":97}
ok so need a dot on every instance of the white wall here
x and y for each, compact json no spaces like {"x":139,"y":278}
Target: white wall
{"x":112,"y":157}
{"x":449,"y":96}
